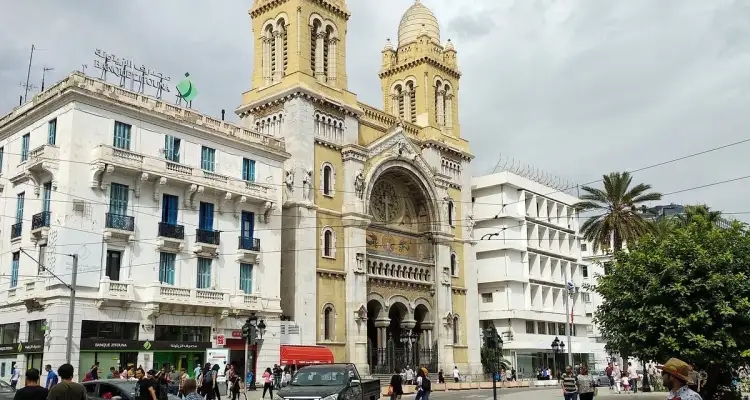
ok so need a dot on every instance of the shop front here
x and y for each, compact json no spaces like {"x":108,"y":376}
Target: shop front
{"x":8,"y":345}
{"x":183,"y":347}
{"x":237,"y":355}
{"x":107,"y":344}
{"x":119,"y":351}
{"x":32,"y":351}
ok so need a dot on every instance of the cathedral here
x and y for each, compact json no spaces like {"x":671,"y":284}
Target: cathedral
{"x":378,"y":259}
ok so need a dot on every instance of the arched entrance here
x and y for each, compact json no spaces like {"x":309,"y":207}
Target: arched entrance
{"x":401,"y":269}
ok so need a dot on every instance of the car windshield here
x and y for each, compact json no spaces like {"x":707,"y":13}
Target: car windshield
{"x":319,"y":377}
{"x":5,"y":388}
{"x":125,"y":386}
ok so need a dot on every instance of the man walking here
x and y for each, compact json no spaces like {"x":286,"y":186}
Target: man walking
{"x":67,"y":389}
{"x":569,"y":384}
{"x":675,"y":375}
{"x":51,"y":377}
{"x":609,"y":375}
{"x":633,"y":377}
{"x":32,"y":390}
{"x":15,"y":375}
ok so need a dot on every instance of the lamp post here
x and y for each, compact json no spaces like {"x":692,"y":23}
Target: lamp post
{"x":248,"y":333}
{"x":558,"y":347}
{"x":498,"y":353}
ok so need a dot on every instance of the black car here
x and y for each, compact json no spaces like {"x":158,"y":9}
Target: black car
{"x":329,"y":382}
{"x":113,"y":389}
{"x":6,"y":391}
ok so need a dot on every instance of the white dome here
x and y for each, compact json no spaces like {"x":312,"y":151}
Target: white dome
{"x":417,"y":20}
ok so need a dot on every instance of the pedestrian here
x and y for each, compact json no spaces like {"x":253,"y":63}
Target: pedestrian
{"x":625,"y":383}
{"x":608,"y":371}
{"x":95,"y":371}
{"x":397,"y":388}
{"x":277,"y":374}
{"x":51,"y":377}
{"x":234,"y":386}
{"x":456,"y":374}
{"x":617,"y":377}
{"x":215,"y":373}
{"x":32,"y":390}
{"x":441,"y":377}
{"x":267,"y":383}
{"x":586,"y":384}
{"x":67,"y":389}
{"x":189,"y":387}
{"x":424,"y":386}
{"x":675,"y":375}
{"x":633,"y":377}
{"x":15,"y":375}
{"x":197,"y":373}
{"x":569,"y":384}
{"x":409,"y":375}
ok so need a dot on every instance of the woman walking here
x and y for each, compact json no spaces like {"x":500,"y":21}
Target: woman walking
{"x":267,"y":383}
{"x":397,"y":389}
{"x":586,"y":384}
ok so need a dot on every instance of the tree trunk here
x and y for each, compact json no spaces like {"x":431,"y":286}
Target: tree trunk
{"x":617,"y":241}
{"x":718,"y":384}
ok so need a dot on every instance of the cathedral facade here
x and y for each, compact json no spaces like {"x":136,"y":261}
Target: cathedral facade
{"x":377,"y":248}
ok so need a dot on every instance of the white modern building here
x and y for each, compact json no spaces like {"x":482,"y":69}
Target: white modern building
{"x":172,"y":215}
{"x":528,"y":249}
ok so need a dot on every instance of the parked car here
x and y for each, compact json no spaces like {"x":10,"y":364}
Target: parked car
{"x":113,"y":389}
{"x":6,"y":391}
{"x":601,"y":378}
{"x":329,"y":382}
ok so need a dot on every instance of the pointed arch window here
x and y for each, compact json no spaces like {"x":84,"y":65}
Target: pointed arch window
{"x":327,"y":180}
{"x":329,"y":322}
{"x":454,"y":264}
{"x":280,"y":45}
{"x":328,"y":242}
{"x":456,"y":330}
{"x":316,"y":49}
{"x":450,"y":212}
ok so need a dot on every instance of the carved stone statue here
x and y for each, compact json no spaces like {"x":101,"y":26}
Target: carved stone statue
{"x":307,"y":184}
{"x":359,"y":184}
{"x":289,"y":180}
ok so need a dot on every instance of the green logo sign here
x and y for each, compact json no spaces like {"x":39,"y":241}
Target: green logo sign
{"x":20,"y":347}
{"x":147,"y":345}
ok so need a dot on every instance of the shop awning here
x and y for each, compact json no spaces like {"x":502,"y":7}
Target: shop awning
{"x":305,"y":355}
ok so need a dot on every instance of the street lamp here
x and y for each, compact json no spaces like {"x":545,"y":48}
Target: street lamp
{"x":261,"y":329}
{"x":558,"y":347}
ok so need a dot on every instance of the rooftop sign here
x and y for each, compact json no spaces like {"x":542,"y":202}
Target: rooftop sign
{"x":129,"y":72}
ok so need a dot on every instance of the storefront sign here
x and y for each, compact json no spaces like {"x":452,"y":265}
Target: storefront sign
{"x":140,"y":345}
{"x":36,"y":346}
{"x":128,"y":71}
{"x":220,"y":340}
{"x":237,"y":334}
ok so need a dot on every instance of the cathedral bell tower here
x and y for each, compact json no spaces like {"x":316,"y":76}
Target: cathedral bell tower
{"x":298,"y":42}
{"x":419,"y":77}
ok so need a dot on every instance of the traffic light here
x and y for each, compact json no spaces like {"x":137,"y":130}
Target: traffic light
{"x":245,"y":331}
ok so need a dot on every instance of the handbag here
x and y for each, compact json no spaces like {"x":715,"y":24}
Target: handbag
{"x":390,"y":390}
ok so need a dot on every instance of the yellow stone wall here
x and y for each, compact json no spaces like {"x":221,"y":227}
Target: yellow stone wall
{"x":332,"y":290}
{"x":327,"y":218}
{"x":460,"y":352}
{"x":325,"y":154}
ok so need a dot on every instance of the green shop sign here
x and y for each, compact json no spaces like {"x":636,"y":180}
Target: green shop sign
{"x":141,"y":345}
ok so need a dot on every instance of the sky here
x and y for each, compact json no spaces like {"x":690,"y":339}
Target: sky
{"x":577,"y":88}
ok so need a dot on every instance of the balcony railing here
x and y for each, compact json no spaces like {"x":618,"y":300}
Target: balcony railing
{"x":15,"y":230}
{"x":171,"y":231}
{"x":248,"y":243}
{"x":120,"y":222}
{"x":40,"y":220}
{"x":207,"y":236}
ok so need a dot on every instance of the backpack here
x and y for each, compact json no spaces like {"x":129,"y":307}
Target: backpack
{"x":426,"y":385}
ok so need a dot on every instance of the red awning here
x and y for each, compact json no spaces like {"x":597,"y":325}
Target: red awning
{"x":304,"y":355}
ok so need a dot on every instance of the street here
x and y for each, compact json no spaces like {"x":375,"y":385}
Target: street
{"x":509,"y":394}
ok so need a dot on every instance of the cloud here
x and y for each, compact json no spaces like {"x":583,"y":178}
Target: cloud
{"x":578,"y":88}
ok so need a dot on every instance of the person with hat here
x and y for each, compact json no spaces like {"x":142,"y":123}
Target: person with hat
{"x":675,"y":375}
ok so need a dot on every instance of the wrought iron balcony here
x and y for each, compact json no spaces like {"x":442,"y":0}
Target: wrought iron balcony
{"x":207,"y":236}
{"x":40,"y":220}
{"x":120,"y":222}
{"x":171,"y":231}
{"x":249,"y":244}
{"x":15,"y":230}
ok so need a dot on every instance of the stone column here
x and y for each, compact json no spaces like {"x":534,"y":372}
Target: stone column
{"x":440,"y":107}
{"x":407,"y":105}
{"x":443,"y":300}
{"x":394,"y":104}
{"x":319,"y":54}
{"x":382,"y":325}
{"x":266,"y":62}
{"x":332,"y":59}
{"x":449,"y":111}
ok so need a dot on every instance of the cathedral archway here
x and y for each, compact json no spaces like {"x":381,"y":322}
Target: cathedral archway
{"x":401,"y":260}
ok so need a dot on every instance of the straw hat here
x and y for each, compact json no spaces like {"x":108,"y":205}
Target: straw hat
{"x":678,"y":369}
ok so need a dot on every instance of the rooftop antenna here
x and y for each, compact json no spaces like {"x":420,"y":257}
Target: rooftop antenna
{"x":83,"y":68}
{"x":44,"y":72}
{"x":28,"y":75}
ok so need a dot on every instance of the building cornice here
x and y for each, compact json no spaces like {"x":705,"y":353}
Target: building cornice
{"x":294,"y":93}
{"x":95,"y":92}
{"x":326,"y":4}
{"x":445,"y":147}
{"x":453,"y":73}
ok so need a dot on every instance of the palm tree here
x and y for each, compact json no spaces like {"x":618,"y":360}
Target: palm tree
{"x":712,"y":217}
{"x":617,"y":220}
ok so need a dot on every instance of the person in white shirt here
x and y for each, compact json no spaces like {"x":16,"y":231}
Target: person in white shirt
{"x":456,"y":375}
{"x":15,"y":377}
{"x":633,"y":377}
{"x":409,"y":375}
{"x":617,"y":376}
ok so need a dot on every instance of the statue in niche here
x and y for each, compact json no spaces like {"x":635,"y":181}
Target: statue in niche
{"x":470,"y":225}
{"x":359,"y":184}
{"x":289,"y":180}
{"x":307,"y":185}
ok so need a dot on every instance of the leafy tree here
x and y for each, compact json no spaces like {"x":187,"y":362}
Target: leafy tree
{"x":492,"y":360}
{"x":685,"y":294}
{"x":691,"y":212}
{"x":617,"y":220}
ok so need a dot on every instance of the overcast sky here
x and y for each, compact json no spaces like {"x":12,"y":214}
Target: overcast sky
{"x":575,"y":87}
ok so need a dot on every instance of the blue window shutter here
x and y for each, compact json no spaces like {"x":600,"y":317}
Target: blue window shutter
{"x":208,"y":159}
{"x":52,"y":132}
{"x":118,"y":199}
{"x":169,"y":208}
{"x":203,"y":280}
{"x":19,"y":207}
{"x":248,"y":170}
{"x":122,"y":135}
{"x":25,"y":146}
{"x":46,"y":197}
{"x":248,"y":225}
{"x":2,"y":155}
{"x":166,"y":268}
{"x":246,"y":278}
{"x":14,"y":269}
{"x":206,"y":216}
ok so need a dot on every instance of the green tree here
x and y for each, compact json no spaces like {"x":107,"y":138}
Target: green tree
{"x":685,"y":294}
{"x":691,"y":212}
{"x":617,"y":220}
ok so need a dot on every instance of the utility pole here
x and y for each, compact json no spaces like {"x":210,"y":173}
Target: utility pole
{"x":28,"y":74}
{"x":44,"y":72}
{"x":72,"y":288}
{"x":71,"y":310}
{"x":568,"y":326}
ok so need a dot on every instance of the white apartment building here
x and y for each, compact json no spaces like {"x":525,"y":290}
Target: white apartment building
{"x":528,"y":249}
{"x":173,"y":217}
